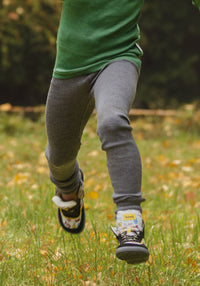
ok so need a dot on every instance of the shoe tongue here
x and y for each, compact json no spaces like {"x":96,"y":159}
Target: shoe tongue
{"x":62,"y":204}
{"x":130,"y":220}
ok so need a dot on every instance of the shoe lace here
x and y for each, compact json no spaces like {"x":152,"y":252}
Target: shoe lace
{"x":124,"y":236}
{"x":72,"y":212}
{"x":130,"y":237}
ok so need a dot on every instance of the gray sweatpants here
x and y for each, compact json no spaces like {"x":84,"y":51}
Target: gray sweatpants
{"x":70,"y":103}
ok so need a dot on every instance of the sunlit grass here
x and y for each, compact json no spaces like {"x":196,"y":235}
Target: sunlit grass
{"x":35,"y":251}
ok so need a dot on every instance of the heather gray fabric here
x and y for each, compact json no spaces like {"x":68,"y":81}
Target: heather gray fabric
{"x":69,"y":105}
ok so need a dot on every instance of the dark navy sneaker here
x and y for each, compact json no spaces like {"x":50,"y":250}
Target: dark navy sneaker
{"x":130,"y":234}
{"x":71,"y":214}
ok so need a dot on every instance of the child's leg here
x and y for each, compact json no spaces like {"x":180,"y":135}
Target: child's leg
{"x":69,"y":106}
{"x":114,"y":92}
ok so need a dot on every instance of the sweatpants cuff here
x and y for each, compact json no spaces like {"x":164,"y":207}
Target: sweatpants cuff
{"x":69,"y":186}
{"x":124,"y":202}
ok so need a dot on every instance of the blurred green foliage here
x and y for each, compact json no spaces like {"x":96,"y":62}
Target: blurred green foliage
{"x":171,"y":62}
{"x":170,"y":33}
{"x":196,"y":3}
{"x":27,"y":49}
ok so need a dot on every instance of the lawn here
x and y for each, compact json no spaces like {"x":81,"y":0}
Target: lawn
{"x":35,"y":250}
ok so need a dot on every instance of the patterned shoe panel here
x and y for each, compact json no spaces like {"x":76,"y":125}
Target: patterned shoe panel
{"x":69,"y":220}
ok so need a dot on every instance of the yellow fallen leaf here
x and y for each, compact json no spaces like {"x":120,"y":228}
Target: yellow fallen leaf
{"x":34,"y":187}
{"x":89,"y":283}
{"x":43,"y":252}
{"x":42,"y":159}
{"x":178,"y":121}
{"x":187,"y":182}
{"x":172,"y":175}
{"x":187,"y":168}
{"x":93,"y":195}
{"x":162,"y":159}
{"x":193,"y":160}
{"x":150,"y":260}
{"x":86,"y":206}
{"x":10,"y":154}
{"x":4,"y":223}
{"x":175,"y":163}
{"x":110,"y":217}
{"x":42,"y":170}
{"x":19,"y":179}
{"x":98,"y":187}
{"x":93,"y":154}
{"x":165,"y":144}
{"x":140,"y":135}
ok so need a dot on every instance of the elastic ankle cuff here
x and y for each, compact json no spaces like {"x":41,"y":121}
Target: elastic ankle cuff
{"x":129,"y":207}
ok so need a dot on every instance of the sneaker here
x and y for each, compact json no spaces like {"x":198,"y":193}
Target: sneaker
{"x":71,"y":214}
{"x":130,"y":234}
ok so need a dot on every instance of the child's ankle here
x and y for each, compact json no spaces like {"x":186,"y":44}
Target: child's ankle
{"x":70,"y":197}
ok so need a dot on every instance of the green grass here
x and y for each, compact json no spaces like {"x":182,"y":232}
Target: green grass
{"x":35,"y":251}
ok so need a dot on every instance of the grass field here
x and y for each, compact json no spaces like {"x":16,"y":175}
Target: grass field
{"x":35,"y":251}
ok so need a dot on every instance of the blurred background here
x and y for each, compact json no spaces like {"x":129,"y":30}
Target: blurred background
{"x":170,"y":38}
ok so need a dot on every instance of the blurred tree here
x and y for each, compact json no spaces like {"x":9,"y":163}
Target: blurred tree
{"x":169,"y":37}
{"x":171,"y":61}
{"x":27,"y":49}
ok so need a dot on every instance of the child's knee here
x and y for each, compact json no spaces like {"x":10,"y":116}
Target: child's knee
{"x":112,"y":127}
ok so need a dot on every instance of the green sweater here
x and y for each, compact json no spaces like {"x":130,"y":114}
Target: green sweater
{"x":93,"y":33}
